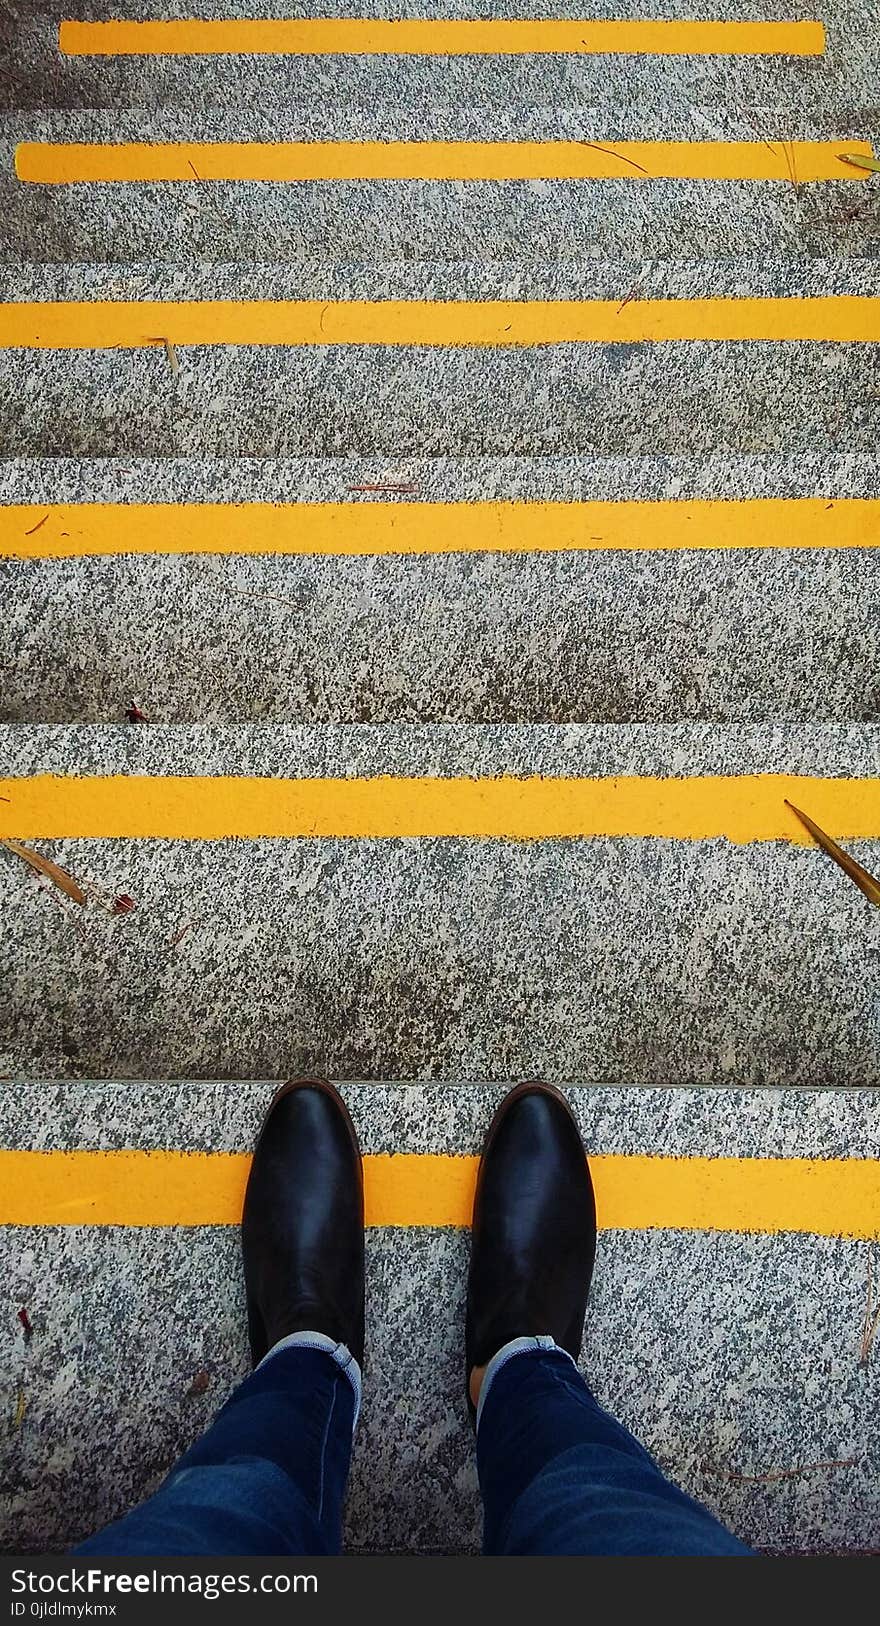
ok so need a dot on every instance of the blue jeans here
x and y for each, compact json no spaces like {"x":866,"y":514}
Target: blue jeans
{"x":557,"y":1473}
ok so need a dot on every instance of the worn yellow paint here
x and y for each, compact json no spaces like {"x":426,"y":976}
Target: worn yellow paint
{"x":77,"y":530}
{"x":741,"y":808}
{"x":103,"y":325}
{"x":368,"y":36}
{"x":62,"y":163}
{"x":834,"y":1197}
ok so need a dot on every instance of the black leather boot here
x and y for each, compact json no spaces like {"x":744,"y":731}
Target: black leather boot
{"x":302,"y":1231}
{"x":533,"y":1241}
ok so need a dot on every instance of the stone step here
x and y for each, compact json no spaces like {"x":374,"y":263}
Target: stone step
{"x":776,"y":1433}
{"x":650,"y":948}
{"x":665,"y":629}
{"x":36,"y":73}
{"x":692,"y":396}
{"x":633,"y":217}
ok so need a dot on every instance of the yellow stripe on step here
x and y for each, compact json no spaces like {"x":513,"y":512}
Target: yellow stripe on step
{"x":837,"y":1197}
{"x":60,"y":163}
{"x":740,"y":808}
{"x":104,"y":325}
{"x":78,"y":530}
{"x":367,"y":36}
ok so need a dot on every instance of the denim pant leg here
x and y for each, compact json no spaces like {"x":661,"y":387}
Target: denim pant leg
{"x":560,"y":1476}
{"x":268,"y":1479}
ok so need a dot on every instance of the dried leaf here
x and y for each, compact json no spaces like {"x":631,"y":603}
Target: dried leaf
{"x":45,"y":866}
{"x":168,"y":347}
{"x":21,"y":1406}
{"x":385,"y":485}
{"x":621,"y":156}
{"x":859,"y":876}
{"x":26,"y":1323}
{"x":775,"y":1474}
{"x":871,"y":1321}
{"x":861,"y":161}
{"x":122,"y":905}
{"x":200,"y":1384}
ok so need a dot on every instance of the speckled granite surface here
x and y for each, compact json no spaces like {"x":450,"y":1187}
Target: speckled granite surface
{"x":564,"y":478}
{"x":506,"y":638}
{"x":29,"y":33}
{"x":545,"y":278}
{"x":720,"y":636}
{"x":380,"y":401}
{"x":673,"y":399}
{"x":728,"y":1356}
{"x":484,"y":959}
{"x":338,"y":750}
{"x":216,"y":222}
{"x":224,"y":1115}
{"x":683,"y":1336}
{"x":635,"y":963}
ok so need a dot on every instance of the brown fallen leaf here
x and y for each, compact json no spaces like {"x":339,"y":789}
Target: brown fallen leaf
{"x":21,"y":1406}
{"x":45,"y":866}
{"x":200,"y":1384}
{"x":168,"y":347}
{"x":859,"y":876}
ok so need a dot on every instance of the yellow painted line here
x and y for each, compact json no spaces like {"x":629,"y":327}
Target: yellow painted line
{"x":837,"y":1197}
{"x":61,"y":163}
{"x":364,"y":36}
{"x":741,"y":808}
{"x":79,"y":530}
{"x":106,"y":325}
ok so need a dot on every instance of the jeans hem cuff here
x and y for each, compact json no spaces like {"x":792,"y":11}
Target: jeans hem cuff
{"x":537,"y":1345}
{"x":340,"y":1353}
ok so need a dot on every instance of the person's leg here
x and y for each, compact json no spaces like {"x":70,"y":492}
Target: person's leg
{"x":269,"y":1476}
{"x":558,"y":1474}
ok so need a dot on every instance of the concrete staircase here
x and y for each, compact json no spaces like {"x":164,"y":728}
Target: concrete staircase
{"x":577,"y":863}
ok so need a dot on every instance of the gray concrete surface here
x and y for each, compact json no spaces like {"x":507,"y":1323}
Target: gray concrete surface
{"x":728,"y":1356}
